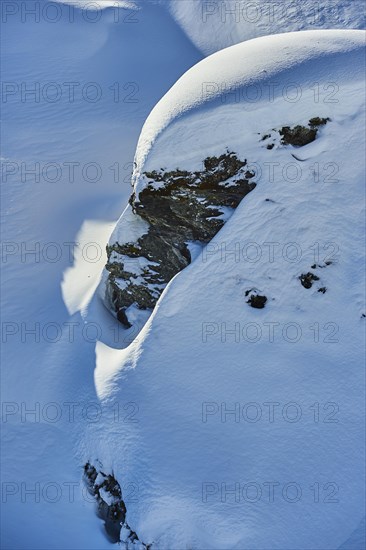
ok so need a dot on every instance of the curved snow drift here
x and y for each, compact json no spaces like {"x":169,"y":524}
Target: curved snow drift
{"x":248,"y":418}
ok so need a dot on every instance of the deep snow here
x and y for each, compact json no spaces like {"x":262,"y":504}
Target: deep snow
{"x":213,"y":25}
{"x":204,"y":350}
{"x":47,"y":295}
{"x":165,"y":454}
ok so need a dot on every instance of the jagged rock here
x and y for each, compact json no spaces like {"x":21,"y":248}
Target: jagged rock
{"x":106,"y":488}
{"x":180,"y":207}
{"x":114,"y":512}
{"x":318,"y":121}
{"x":302,"y":135}
{"x":307,"y":279}
{"x":257,"y":301}
{"x":298,"y":136}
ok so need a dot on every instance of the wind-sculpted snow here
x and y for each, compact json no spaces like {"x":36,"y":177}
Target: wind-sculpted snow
{"x":250,"y":74}
{"x":217,"y":24}
{"x":212,"y":25}
{"x":248,"y":417}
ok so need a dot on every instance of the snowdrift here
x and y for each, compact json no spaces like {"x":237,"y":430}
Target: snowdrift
{"x":248,"y":417}
{"x":218,"y":24}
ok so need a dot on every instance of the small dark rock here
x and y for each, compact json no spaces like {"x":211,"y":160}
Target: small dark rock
{"x":297,"y":136}
{"x":323,"y":289}
{"x":249,"y":175}
{"x":301,"y":135}
{"x":270,"y":146}
{"x":308,"y":279}
{"x":256,"y":301}
{"x":317,"y":121}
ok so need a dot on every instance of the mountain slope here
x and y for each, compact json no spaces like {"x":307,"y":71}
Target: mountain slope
{"x":52,"y":212}
{"x":248,"y":417}
{"x":215,"y":25}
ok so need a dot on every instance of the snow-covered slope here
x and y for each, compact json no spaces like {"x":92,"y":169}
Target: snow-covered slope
{"x":290,"y":69}
{"x":249,"y":418}
{"x":218,"y":24}
{"x":140,"y":54}
{"x":214,"y":25}
{"x":48,"y":210}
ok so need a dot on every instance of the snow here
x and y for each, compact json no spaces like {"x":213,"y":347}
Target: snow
{"x":97,"y":5}
{"x":213,"y":25}
{"x":82,"y":279}
{"x":130,"y":228}
{"x":260,"y":66}
{"x":165,"y":368}
{"x":216,"y":24}
{"x":54,"y":298}
{"x":204,"y":351}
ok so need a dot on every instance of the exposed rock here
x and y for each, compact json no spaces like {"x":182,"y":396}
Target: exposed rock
{"x":317,"y":121}
{"x":256,"y":301}
{"x":298,"y":136}
{"x":114,"y":513}
{"x":323,"y":289}
{"x":302,"y":135}
{"x":326,"y":264}
{"x":180,"y":207}
{"x":106,"y":488}
{"x":308,"y":279}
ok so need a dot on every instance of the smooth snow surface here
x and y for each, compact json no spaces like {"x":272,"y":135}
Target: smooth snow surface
{"x":53,"y":213}
{"x":205,"y":351}
{"x":65,"y":357}
{"x":253,"y":74}
{"x":217,"y":24}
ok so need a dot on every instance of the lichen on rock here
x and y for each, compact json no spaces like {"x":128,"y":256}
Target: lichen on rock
{"x":180,"y":207}
{"x":297,"y":136}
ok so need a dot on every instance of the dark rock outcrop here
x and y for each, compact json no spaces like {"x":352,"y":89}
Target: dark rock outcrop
{"x":298,"y":136}
{"x":256,"y":301}
{"x":302,"y":135}
{"x":112,"y":512}
{"x":307,"y":279}
{"x":180,"y":207}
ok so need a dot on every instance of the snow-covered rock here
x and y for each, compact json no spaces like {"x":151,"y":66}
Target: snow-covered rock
{"x":188,"y":187}
{"x":248,"y":418}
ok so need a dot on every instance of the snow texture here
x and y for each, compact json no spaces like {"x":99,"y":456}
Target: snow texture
{"x":172,"y":367}
{"x":205,"y":352}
